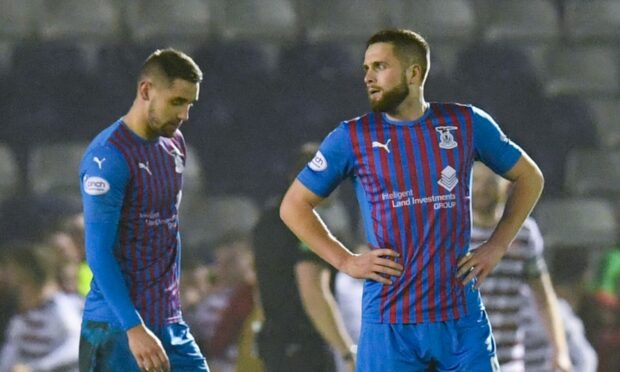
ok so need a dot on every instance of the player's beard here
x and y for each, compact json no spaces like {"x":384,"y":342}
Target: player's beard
{"x":392,"y":98}
{"x":158,"y":127}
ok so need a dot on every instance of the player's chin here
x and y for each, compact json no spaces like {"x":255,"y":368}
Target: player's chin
{"x":169,"y":132}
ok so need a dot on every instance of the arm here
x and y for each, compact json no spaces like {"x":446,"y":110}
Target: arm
{"x":297,"y":212}
{"x":319,"y":304}
{"x":527,"y":186}
{"x":547,"y":304}
{"x":103,"y":192}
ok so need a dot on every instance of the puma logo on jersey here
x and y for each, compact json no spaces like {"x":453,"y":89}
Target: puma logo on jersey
{"x":145,"y":167}
{"x":381,"y":145}
{"x":99,"y":162}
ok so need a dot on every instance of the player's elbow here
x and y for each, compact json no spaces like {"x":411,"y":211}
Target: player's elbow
{"x":538,"y":178}
{"x":286,"y":207}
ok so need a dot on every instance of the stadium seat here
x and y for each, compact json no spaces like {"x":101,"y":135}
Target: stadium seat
{"x":80,"y":20}
{"x":587,"y":222}
{"x":205,"y":220}
{"x":182,"y":22}
{"x":8,"y":173}
{"x":583,"y":70}
{"x":593,"y":172}
{"x":592,"y":21}
{"x":19,"y":18}
{"x":265,"y":20}
{"x":344,"y":20}
{"x":193,"y":182}
{"x":532,"y":21}
{"x":438,"y":20}
{"x":52,"y":91}
{"x":6,"y":58}
{"x":607,"y":113}
{"x":53,"y":168}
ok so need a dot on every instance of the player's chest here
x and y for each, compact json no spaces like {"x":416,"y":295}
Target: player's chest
{"x":398,"y":156}
{"x":157,"y":177}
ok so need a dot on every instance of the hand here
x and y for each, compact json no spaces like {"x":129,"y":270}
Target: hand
{"x":480,"y":262}
{"x":371,"y":265}
{"x":147,"y":350}
{"x":350,"y":358}
{"x":561,"y":362}
{"x":349,"y":366}
{"x":21,"y":368}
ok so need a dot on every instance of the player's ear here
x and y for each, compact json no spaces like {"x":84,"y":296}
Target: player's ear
{"x":144,"y":88}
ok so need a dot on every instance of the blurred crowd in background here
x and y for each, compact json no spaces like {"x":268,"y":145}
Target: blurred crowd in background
{"x":279,"y":73}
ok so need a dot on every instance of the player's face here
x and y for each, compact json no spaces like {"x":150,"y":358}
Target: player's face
{"x":385,"y":78}
{"x":169,"y":106}
{"x":486,"y":190}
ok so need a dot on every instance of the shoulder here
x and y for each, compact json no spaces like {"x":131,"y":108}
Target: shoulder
{"x":106,"y":142}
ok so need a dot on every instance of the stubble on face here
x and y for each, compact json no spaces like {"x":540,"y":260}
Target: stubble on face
{"x":390,"y":99}
{"x":159,"y":127}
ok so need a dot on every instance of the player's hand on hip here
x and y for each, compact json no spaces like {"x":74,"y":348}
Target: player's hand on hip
{"x":479,"y":263}
{"x":147,"y":349}
{"x":375,"y":265}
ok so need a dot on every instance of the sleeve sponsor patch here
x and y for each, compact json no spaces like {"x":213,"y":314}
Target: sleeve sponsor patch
{"x":318,"y":163}
{"x":96,"y":185}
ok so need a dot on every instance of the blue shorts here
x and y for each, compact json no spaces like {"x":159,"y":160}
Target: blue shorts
{"x":465,"y":344}
{"x":104,"y":347}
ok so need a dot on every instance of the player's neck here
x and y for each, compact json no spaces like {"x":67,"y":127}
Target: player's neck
{"x":411,"y":109}
{"x":137,"y":122}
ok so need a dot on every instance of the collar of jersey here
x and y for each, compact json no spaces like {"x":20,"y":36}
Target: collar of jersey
{"x":422,"y":118}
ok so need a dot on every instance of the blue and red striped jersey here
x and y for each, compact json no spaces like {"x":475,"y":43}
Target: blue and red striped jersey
{"x":413,"y":181}
{"x":131,"y":190}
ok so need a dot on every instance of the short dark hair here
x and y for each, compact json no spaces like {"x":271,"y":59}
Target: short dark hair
{"x":172,"y":64}
{"x":410,"y":47}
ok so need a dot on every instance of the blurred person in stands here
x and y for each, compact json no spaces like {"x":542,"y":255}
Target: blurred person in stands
{"x":217,"y":320}
{"x":44,"y":334}
{"x":73,"y":226}
{"x":603,"y":311}
{"x":410,"y":162}
{"x":569,"y":269}
{"x":522,"y":272}
{"x":302,"y":320}
{"x":131,"y":176}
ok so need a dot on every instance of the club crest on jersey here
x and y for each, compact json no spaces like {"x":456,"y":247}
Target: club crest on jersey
{"x":96,"y":186}
{"x":179,"y":166}
{"x":318,"y":163}
{"x":178,"y":162}
{"x":446,"y":139}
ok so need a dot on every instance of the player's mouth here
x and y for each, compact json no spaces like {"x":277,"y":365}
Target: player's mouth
{"x":373,"y":92}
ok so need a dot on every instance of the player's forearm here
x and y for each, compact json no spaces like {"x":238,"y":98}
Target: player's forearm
{"x":528,"y":183}
{"x":298,"y":214}
{"x":100,"y":240}
{"x":550,"y":313}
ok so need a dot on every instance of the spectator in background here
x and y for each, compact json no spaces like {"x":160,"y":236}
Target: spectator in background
{"x":602,"y":313}
{"x":73,"y":226}
{"x":302,"y":320}
{"x":521,"y":269}
{"x":568,"y":269}
{"x":44,"y":335}
{"x":218,"y":319}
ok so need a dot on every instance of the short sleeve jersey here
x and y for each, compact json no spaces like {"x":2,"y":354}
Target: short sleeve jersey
{"x":412,"y":181}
